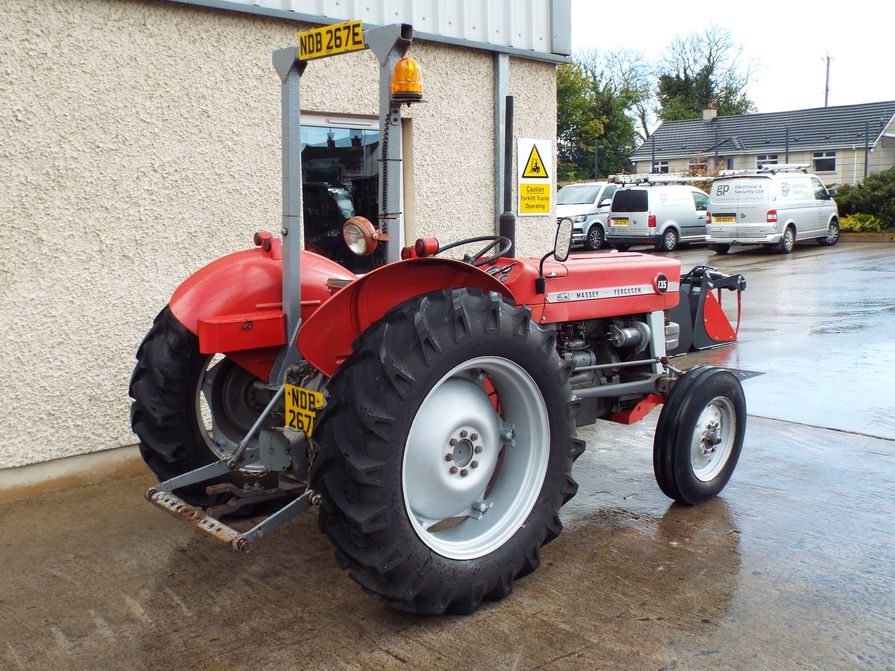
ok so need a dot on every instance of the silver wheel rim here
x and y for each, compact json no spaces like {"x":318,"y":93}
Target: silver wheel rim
{"x":670,"y":241}
{"x":218,"y":442}
{"x":470,"y":476}
{"x":595,"y":237}
{"x":789,"y":239}
{"x":833,"y":234}
{"x":713,"y":439}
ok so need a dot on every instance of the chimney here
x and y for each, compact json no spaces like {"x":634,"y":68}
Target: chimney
{"x":709,"y":113}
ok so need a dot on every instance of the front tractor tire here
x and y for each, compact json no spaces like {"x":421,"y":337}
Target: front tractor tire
{"x":189,"y":409}
{"x":446,"y":452}
{"x":699,"y":435}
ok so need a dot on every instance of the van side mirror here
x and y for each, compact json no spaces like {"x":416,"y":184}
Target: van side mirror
{"x":831,"y":192}
{"x":606,"y":202}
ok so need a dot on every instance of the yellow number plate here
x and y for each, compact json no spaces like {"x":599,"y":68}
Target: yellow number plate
{"x":724,"y":220}
{"x":301,"y":408}
{"x":619,"y":222}
{"x":338,"y":38}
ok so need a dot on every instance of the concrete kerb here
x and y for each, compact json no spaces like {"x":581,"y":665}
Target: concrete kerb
{"x":24,"y":482}
{"x":883,"y":236}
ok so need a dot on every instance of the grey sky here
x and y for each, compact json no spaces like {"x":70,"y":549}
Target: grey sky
{"x":787,"y":41}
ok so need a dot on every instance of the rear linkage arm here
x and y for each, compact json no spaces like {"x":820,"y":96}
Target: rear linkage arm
{"x":162,"y":494}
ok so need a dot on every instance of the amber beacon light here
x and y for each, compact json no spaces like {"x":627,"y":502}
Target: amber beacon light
{"x":407,"y":81}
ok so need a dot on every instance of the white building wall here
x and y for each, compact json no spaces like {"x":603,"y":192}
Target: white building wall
{"x":140,"y":140}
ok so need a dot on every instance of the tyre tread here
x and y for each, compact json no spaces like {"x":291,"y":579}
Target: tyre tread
{"x":358,"y":488}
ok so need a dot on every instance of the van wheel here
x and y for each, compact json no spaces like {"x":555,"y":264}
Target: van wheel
{"x":595,"y":237}
{"x":669,"y":241}
{"x":832,"y":236}
{"x":720,"y":249}
{"x":787,"y":242}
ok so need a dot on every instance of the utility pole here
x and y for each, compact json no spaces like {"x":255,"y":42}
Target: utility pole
{"x":827,"y":87}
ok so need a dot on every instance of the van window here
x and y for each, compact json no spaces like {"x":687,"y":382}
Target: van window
{"x":700,"y":199}
{"x":820,"y":191}
{"x":577,"y":194}
{"x":608,"y":192}
{"x":630,"y":200}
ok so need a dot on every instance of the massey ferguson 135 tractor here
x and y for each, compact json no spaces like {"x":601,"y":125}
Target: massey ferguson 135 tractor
{"x":427,"y":407}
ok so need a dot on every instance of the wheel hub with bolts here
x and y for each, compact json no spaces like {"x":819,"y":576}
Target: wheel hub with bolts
{"x":713,"y":439}
{"x":463,"y":447}
{"x":467,"y":486}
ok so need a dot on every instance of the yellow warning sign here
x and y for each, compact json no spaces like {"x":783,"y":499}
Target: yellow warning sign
{"x":535,"y":177}
{"x":534,"y":198}
{"x":534,"y":166}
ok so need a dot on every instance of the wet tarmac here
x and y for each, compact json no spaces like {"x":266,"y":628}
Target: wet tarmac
{"x":792,"y":567}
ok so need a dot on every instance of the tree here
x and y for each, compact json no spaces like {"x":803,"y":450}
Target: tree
{"x":629,"y":71}
{"x":704,"y":67}
{"x":577,"y":126}
{"x":597,"y":98}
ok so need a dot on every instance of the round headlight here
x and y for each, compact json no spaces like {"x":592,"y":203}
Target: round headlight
{"x":360,"y":236}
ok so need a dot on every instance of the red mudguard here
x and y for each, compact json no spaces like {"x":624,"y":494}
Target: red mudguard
{"x":234,"y":304}
{"x":325,"y":338}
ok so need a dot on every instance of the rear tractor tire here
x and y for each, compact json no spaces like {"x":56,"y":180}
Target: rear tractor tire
{"x":189,"y":409}
{"x":699,"y":435}
{"x":446,"y":452}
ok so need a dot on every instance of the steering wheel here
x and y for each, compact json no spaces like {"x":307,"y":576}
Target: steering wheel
{"x":501,"y":242}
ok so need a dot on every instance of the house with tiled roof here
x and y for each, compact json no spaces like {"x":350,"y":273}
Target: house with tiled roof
{"x":841,"y":144}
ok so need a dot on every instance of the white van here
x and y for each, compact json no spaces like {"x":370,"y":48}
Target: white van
{"x":587,"y":205}
{"x":662,"y":215}
{"x":775,"y":205}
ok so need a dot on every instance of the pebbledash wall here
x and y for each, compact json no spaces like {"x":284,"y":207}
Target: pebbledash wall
{"x":139,"y":141}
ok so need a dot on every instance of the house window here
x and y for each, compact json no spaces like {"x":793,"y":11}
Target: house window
{"x":767,"y":159}
{"x":697,"y":167}
{"x":660,"y":166}
{"x":825,"y":161}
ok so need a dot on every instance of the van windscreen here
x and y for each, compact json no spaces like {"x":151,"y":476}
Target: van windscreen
{"x":577,"y":194}
{"x":630,"y":200}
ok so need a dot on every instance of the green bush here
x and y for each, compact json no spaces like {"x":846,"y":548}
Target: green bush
{"x":875,"y":196}
{"x":861,"y":223}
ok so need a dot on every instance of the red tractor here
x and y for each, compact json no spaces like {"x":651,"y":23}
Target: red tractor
{"x":428,"y":407}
